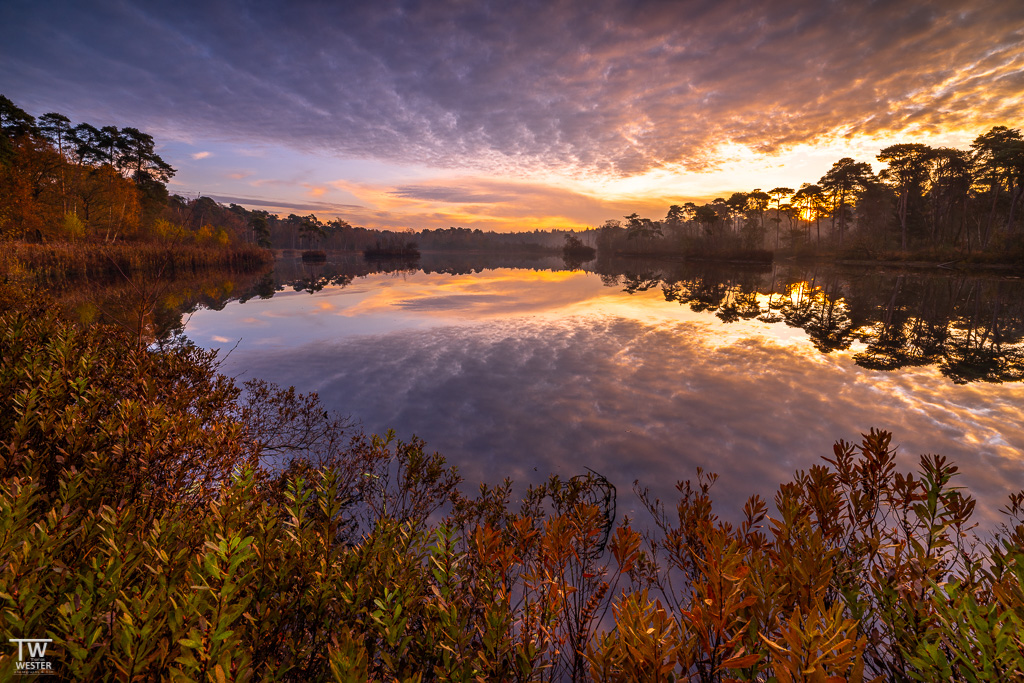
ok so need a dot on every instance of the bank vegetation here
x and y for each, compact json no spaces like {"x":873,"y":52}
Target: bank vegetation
{"x":159,"y":521}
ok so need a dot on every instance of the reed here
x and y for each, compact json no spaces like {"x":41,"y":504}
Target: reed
{"x":67,"y":261}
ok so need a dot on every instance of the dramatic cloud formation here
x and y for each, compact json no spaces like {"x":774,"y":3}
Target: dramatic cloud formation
{"x":568,"y":90}
{"x":508,"y":371}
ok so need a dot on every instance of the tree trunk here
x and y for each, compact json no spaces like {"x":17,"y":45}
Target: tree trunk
{"x":904,"y":199}
{"x":991,"y":215}
{"x":1013,"y":206}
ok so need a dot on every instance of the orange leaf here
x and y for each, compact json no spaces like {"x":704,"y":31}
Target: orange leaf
{"x":741,"y":662}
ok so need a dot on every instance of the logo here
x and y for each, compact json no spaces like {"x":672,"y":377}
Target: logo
{"x":35,"y":664}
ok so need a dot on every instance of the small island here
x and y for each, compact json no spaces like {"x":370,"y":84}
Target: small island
{"x":384,"y":249}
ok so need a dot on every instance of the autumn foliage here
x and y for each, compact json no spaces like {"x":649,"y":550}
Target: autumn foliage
{"x":159,"y":522}
{"x":80,"y":202}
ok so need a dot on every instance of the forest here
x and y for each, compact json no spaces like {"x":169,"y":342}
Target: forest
{"x":79,"y":202}
{"x":936,"y":204}
{"x":78,"y":183}
{"x":87,"y":185}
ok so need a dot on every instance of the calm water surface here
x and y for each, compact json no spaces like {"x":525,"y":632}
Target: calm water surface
{"x":644,"y":375}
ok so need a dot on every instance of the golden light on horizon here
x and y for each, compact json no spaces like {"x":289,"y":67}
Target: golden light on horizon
{"x":559,"y":124}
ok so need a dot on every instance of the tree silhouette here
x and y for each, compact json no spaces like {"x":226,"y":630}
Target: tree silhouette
{"x":907,"y":173}
{"x":997,"y":156}
{"x":950,"y":191}
{"x":311,"y":230}
{"x":842,"y":180}
{"x":642,"y":229}
{"x":778,"y":193}
{"x":759,"y":201}
{"x":15,"y":121}
{"x":261,"y":227}
{"x":138,"y":160}
{"x":706,"y":216}
{"x":675,"y":217}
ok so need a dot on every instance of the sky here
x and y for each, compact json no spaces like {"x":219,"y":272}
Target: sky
{"x":514,"y":115}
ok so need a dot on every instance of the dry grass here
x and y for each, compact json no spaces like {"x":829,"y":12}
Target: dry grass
{"x":96,"y":260}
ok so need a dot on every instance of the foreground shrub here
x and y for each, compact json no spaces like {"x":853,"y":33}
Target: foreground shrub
{"x":158,"y":522}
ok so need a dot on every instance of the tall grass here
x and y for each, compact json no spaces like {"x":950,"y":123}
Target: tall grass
{"x":67,"y":261}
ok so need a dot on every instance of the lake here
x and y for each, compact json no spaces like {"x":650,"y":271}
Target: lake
{"x":645,"y":370}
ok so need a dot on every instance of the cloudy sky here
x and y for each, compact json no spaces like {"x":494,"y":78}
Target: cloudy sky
{"x":514,"y":115}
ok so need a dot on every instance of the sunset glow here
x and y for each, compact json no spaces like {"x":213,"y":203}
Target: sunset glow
{"x":546,"y":340}
{"x":536,"y":115}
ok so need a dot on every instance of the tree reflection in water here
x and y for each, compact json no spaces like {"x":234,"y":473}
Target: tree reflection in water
{"x":971,"y":327}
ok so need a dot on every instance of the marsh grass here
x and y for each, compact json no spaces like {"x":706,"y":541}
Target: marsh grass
{"x":75,"y":261}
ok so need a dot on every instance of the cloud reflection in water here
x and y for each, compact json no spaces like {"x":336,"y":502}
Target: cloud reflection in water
{"x":641,"y":397}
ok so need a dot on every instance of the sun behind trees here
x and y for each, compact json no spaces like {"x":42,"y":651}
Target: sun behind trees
{"x":935,"y":204}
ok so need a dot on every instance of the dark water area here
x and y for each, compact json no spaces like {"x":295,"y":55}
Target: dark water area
{"x":642,"y":370}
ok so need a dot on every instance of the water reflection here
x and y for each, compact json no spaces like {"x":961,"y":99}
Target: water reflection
{"x":155,"y":309}
{"x":970,"y":327}
{"x":646,"y":370}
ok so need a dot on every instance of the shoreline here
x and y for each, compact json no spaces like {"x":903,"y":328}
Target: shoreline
{"x":74,"y":261}
{"x":958,"y":265}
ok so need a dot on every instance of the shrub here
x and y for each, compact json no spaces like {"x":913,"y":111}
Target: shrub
{"x":74,"y":228}
{"x":157,"y":521}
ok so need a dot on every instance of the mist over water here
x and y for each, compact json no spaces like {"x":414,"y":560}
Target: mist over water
{"x":522,"y":373}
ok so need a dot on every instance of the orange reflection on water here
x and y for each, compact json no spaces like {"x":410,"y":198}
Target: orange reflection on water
{"x":509,"y":370}
{"x":492,"y":293}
